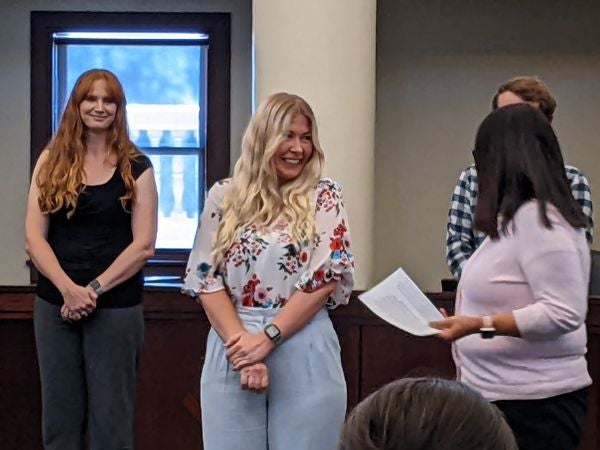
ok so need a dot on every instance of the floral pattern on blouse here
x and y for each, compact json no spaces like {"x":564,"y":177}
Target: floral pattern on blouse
{"x":262,"y":269}
{"x":296,"y":254}
{"x":247,"y":249}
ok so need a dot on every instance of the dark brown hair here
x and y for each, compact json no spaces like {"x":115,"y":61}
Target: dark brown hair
{"x":518,"y":158}
{"x":426,"y":414}
{"x":530,"y":89}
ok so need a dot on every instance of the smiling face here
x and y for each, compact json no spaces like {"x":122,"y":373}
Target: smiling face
{"x":98,"y":107}
{"x":295,"y":151}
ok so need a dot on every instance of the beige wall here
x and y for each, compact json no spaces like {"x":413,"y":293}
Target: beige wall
{"x":438,"y":64}
{"x":14,"y":100}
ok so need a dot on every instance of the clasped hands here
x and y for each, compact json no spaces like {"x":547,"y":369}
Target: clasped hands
{"x":79,"y":302}
{"x":246,"y":352}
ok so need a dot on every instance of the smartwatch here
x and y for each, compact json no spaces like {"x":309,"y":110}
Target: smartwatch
{"x":96,"y":286}
{"x":273,"y":333}
{"x":487,"y":329}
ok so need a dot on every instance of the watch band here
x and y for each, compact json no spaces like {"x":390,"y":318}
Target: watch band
{"x":96,"y":286}
{"x":487,"y":330}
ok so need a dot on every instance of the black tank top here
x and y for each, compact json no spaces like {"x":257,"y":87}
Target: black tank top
{"x":91,"y":239}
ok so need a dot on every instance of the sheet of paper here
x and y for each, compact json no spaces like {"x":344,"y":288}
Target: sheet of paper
{"x":400,"y":302}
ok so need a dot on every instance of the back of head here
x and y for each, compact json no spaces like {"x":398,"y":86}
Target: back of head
{"x":426,"y":414}
{"x":518,"y":158}
{"x":532,"y":90}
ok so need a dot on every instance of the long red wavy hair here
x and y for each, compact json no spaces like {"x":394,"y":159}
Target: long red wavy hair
{"x":61,"y":177}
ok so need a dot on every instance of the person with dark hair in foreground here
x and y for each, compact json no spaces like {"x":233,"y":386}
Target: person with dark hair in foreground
{"x":426,"y":414}
{"x":519,"y":332}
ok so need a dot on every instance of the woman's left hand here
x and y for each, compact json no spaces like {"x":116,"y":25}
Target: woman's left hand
{"x":456,"y":327}
{"x":245,"y":349}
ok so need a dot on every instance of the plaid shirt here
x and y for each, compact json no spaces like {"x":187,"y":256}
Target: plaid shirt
{"x":462,"y":240}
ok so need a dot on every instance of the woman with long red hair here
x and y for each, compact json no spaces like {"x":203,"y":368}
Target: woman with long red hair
{"x":90,"y":227}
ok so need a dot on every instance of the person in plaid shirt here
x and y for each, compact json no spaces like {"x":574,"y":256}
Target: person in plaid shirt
{"x":461,"y":239}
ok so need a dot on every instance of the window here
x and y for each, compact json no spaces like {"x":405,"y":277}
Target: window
{"x":163,"y":77}
{"x":175,"y":72}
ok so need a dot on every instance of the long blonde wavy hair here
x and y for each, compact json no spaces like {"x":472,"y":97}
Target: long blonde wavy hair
{"x":255,"y":197}
{"x":61,"y":176}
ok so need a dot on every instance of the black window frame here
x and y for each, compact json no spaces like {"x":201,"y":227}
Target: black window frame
{"x":167,"y":262}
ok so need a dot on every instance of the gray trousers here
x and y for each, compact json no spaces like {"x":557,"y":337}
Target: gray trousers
{"x":88,"y":376}
{"x":304,"y":405}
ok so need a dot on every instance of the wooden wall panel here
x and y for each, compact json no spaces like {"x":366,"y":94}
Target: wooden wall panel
{"x":168,"y":381}
{"x":20,"y":399}
{"x":168,"y":411}
{"x":388,"y":354}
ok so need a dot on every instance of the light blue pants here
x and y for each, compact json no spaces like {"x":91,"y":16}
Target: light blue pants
{"x":304,"y":406}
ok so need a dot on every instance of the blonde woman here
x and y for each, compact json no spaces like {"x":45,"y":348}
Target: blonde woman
{"x":271,"y":254}
{"x":90,"y":227}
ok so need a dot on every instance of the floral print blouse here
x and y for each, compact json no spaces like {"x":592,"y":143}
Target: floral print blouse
{"x":263,"y":269}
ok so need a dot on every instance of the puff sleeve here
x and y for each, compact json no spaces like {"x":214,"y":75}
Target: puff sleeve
{"x":200,"y":275}
{"x":331,"y":257}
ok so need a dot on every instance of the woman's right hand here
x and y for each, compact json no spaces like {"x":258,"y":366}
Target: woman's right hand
{"x":255,"y":378}
{"x":79,"y":299}
{"x":246,"y":349}
{"x":456,"y":327}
